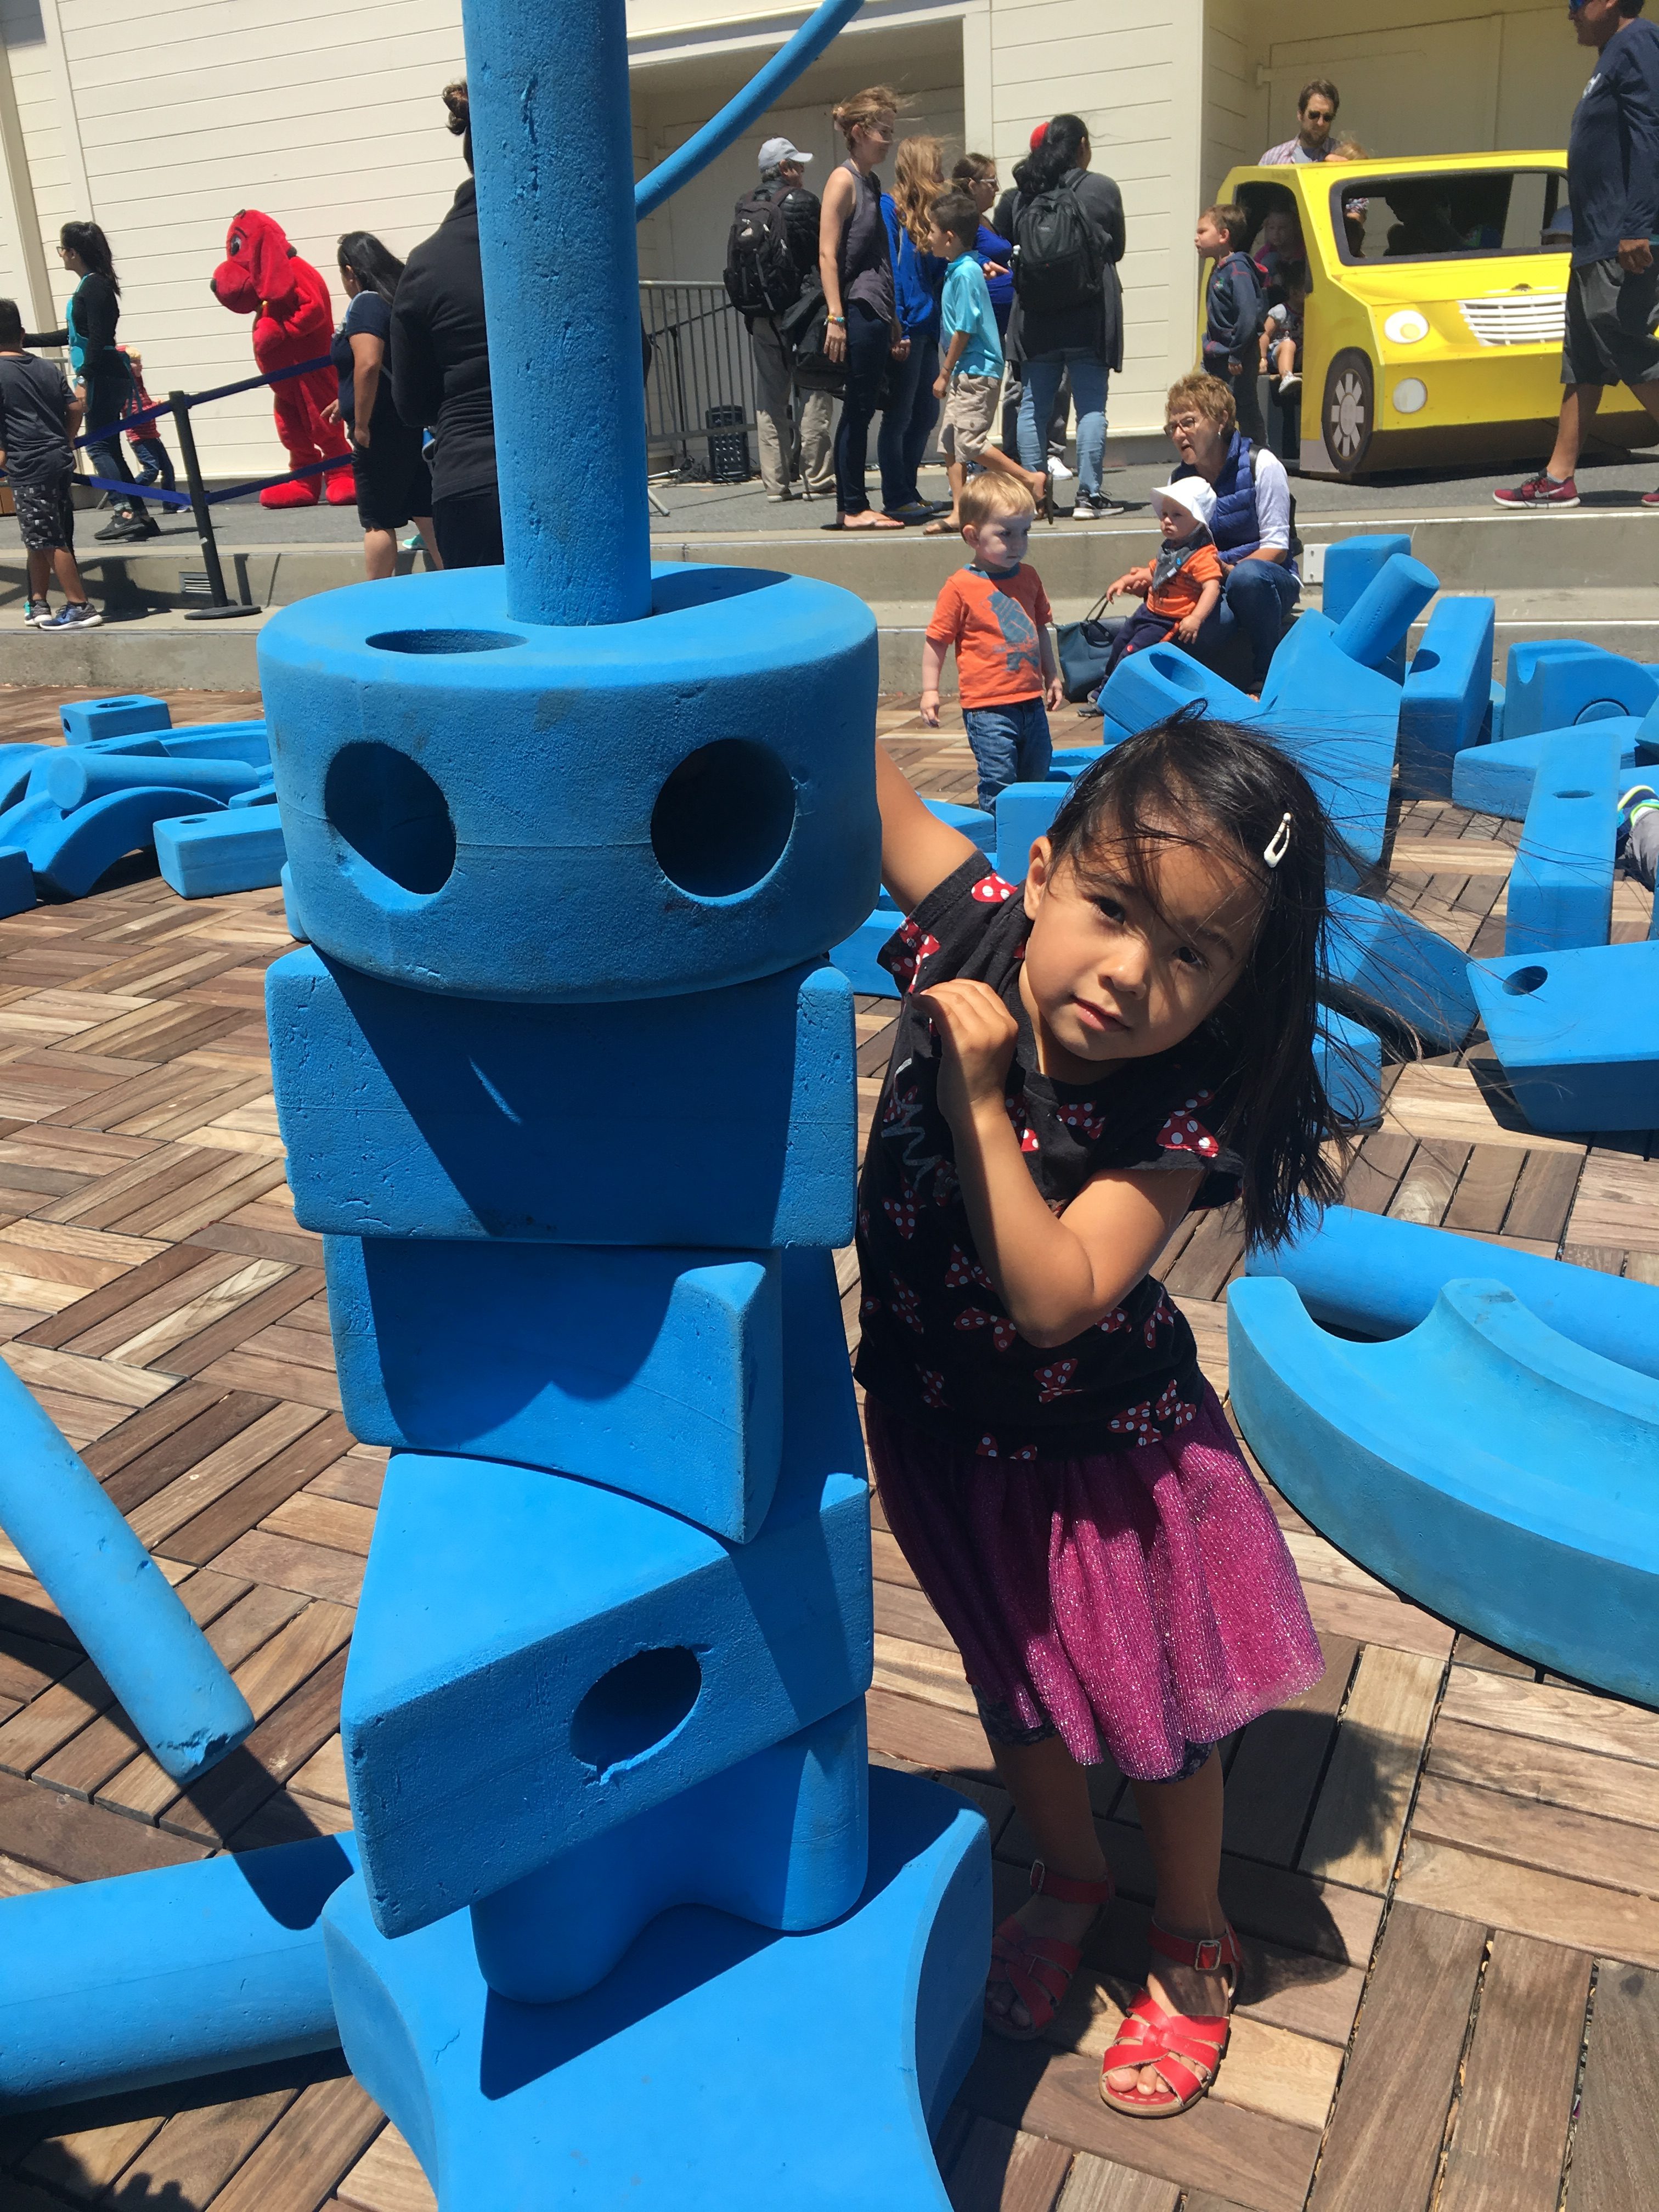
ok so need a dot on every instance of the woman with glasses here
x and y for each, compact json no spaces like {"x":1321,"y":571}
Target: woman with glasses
{"x":1252,"y":525}
{"x":100,"y":365}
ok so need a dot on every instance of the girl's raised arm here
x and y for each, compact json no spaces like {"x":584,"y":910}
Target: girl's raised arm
{"x":918,"y":851}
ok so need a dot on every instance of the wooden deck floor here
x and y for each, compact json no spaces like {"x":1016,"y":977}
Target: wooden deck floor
{"x":1445,"y":1869}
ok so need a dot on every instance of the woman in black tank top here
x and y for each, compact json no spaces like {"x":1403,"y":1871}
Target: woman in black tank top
{"x":858,"y":284}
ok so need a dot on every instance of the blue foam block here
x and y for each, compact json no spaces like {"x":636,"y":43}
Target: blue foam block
{"x":1560,"y":889}
{"x":1351,"y":564}
{"x":1380,"y":963}
{"x":855,"y":956}
{"x":83,"y":719}
{"x":243,"y":741}
{"x":72,"y":854}
{"x":1448,"y":696}
{"x":134,"y":1626}
{"x":17,"y":765}
{"x":1161,"y":680}
{"x":1349,"y":1058}
{"x":71,"y":778}
{"x":537,"y":1659}
{"x":1380,"y":1277}
{"x":972,"y":821}
{"x":111,"y":1986}
{"x":1337,"y":720}
{"x":1074,"y":761}
{"x":1024,"y":811}
{"x":1551,"y":681}
{"x":205,"y":855}
{"x":455,"y":818}
{"x":16,"y":880}
{"x":720,"y":2068}
{"x":1484,"y":1466}
{"x":1577,"y":1033}
{"x":1373,"y":631}
{"x":406,"y":1115}
{"x":1495,"y":729}
{"x":28,"y":818}
{"x":260,"y":794}
{"x":290,"y":913}
{"x":781,"y":1841}
{"x":1498,"y":778}
{"x":656,"y":1372}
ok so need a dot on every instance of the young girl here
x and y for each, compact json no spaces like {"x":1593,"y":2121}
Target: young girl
{"x":1080,"y":1061}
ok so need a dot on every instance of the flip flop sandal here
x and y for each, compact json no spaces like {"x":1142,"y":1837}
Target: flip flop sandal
{"x":1187,"y":2051}
{"x":1039,"y":1969}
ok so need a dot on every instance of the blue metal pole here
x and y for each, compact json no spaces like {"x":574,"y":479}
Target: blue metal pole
{"x":553,"y":142}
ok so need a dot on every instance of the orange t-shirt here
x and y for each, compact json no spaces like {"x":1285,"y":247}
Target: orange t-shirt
{"x":996,"y":624}
{"x":1181,"y":594}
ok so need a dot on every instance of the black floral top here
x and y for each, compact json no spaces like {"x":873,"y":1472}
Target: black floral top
{"x":937,"y":1345}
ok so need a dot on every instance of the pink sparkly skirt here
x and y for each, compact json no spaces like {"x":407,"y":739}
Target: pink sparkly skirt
{"x":1138,"y":1601}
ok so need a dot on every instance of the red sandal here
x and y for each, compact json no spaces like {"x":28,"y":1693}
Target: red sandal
{"x":1039,"y":1968}
{"x":1187,"y":2051}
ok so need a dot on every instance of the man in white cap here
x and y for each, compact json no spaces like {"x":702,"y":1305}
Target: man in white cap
{"x":795,"y":444}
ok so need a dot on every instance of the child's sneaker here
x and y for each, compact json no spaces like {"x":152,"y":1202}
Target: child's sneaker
{"x":40,"y":613}
{"x":1542,"y":490}
{"x":79,"y":614}
{"x":1292,"y":382}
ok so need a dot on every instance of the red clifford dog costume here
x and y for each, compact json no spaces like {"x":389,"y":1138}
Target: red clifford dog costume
{"x":262,"y":275}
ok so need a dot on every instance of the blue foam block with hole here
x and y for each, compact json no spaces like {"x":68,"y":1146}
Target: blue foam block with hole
{"x":781,"y":1840}
{"x":1374,"y":630}
{"x":70,"y":854}
{"x":1552,"y":682}
{"x":107,"y":1987}
{"x":1482,"y":1465}
{"x":1379,"y":1277}
{"x":721,"y":2068}
{"x":657,"y":1372}
{"x":1161,"y":680}
{"x":1498,"y":778}
{"x":1380,"y":963}
{"x":173,"y":1685}
{"x":1349,"y":1058}
{"x":16,"y":880}
{"x":455,"y":818}
{"x":855,"y":956}
{"x":491,"y":1717}
{"x":409,"y":1114}
{"x":1577,"y":1033}
{"x":83,"y":719}
{"x":1024,"y":811}
{"x":71,"y":778}
{"x":1448,"y":696}
{"x":205,"y":855}
{"x":1560,"y":887}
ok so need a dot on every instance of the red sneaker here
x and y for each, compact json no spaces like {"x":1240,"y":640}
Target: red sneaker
{"x":1542,"y":490}
{"x":1650,"y":499}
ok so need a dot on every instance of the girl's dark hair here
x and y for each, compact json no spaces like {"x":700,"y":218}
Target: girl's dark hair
{"x":458,"y":102}
{"x":1041,"y":170}
{"x":376,"y":267}
{"x":1210,"y":784}
{"x":88,"y":239}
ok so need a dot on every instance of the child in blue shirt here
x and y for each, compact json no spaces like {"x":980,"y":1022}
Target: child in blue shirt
{"x":970,"y":380}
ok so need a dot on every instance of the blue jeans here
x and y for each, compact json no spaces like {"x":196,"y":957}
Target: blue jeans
{"x":907,"y":422}
{"x":1010,"y":744}
{"x":1040,"y":381}
{"x":1255,"y":601}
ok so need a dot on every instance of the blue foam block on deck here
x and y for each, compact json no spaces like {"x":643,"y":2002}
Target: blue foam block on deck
{"x":1337,"y":720}
{"x":1448,"y":696}
{"x":16,"y":880}
{"x":1483,"y":1465}
{"x":849,"y":2044}
{"x":83,"y":719}
{"x":70,"y":854}
{"x":205,"y":855}
{"x":1161,"y":680}
{"x":458,"y":821}
{"x":17,"y":765}
{"x":1024,"y":811}
{"x":1379,"y":1277}
{"x":1374,"y":630}
{"x":261,"y":794}
{"x":1497,"y":779}
{"x":727,"y":1119}
{"x":656,"y":1372}
{"x":241,"y":741}
{"x":782,"y":1840}
{"x":111,"y":1986}
{"x":1576,"y":1033}
{"x":290,"y":913}
{"x":72,"y":778}
{"x":1379,"y":963}
{"x":1074,"y":761}
{"x":1551,"y":681}
{"x":537,"y":1659}
{"x":1561,"y":888}
{"x":855,"y":956}
{"x":972,"y":821}
{"x":1349,"y":1058}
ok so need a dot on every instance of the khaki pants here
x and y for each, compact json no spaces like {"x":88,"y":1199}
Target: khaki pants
{"x":786,"y":449}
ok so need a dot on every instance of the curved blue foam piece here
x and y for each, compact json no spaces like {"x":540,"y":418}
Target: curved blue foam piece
{"x":16,"y":880}
{"x":207,"y":855}
{"x":1498,"y":778}
{"x":1577,"y":1033}
{"x":1349,"y":1058}
{"x":28,"y":819}
{"x":233,"y":741}
{"x":782,"y":1840}
{"x":71,"y":856}
{"x":655,"y":1371}
{"x":1024,"y":811}
{"x":408,"y":1115}
{"x":1338,"y":719}
{"x":1561,"y":888}
{"x":259,"y":795}
{"x":1074,"y":761}
{"x":1448,"y":695}
{"x":1552,"y":682}
{"x":111,"y":1986}
{"x":1373,"y":630}
{"x":1380,"y":1277}
{"x":1379,"y":963}
{"x":1351,"y":564}
{"x":83,"y":719}
{"x":73,"y":778}
{"x":455,"y":815}
{"x":718,"y":2065}
{"x":1484,"y":1466}
{"x":173,"y":1685}
{"x":17,"y":765}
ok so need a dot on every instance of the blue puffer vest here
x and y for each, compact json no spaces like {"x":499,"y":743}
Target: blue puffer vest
{"x":1235,"y":526}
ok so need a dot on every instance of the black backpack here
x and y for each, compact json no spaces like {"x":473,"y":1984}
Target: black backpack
{"x":762,"y":275}
{"x":1059,"y":261}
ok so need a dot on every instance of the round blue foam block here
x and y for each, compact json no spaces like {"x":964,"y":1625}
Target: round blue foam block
{"x":632,"y":810}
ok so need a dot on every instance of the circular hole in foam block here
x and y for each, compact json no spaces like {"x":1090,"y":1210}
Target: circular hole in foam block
{"x":391,"y":814}
{"x":722,"y":819}
{"x":1573,"y":795}
{"x":636,"y":1708}
{"x":444,"y":640}
{"x":1525,"y":981}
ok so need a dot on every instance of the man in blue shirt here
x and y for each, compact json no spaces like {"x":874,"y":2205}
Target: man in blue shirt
{"x":1612,"y":293}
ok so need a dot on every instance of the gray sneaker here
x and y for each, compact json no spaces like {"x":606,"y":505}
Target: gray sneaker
{"x":79,"y":614}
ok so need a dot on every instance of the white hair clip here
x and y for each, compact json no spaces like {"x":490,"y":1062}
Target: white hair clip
{"x":1279,"y":844}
